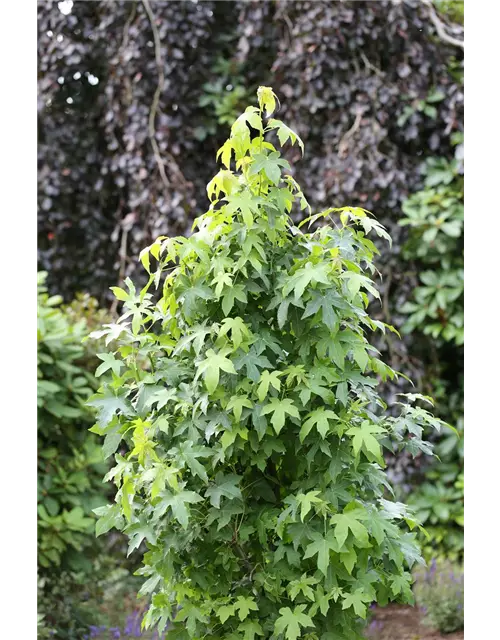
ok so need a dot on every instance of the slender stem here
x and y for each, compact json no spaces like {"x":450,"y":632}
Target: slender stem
{"x":260,"y":150}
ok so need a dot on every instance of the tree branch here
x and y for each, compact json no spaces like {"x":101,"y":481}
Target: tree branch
{"x":440,"y":27}
{"x":154,"y":106}
{"x":156,"y":97}
{"x":348,"y":134}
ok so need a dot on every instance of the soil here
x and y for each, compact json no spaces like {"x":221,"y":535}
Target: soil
{"x":397,"y":622}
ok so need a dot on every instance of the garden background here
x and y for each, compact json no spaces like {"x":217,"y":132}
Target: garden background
{"x":135,"y":98}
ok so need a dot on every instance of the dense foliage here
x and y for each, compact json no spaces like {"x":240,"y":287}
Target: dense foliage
{"x":246,"y":396}
{"x":70,"y":461}
{"x":435,"y":248}
{"x":375,"y":92}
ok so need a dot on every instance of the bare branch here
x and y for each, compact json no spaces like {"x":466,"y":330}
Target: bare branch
{"x":348,"y":134}
{"x":127,"y":27}
{"x":156,"y":98}
{"x":440,"y":27}
{"x":369,"y":65}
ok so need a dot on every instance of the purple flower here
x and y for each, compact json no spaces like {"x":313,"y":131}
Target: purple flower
{"x":375,"y":625}
{"x":129,"y":625}
{"x":115,"y":631}
{"x":432,"y":571}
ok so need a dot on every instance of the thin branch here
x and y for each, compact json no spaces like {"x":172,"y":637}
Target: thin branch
{"x":290,"y":27}
{"x":440,"y":27}
{"x":156,"y":99}
{"x":371,"y":66}
{"x":123,"y":261}
{"x":348,"y":134}
{"x":126,"y":28}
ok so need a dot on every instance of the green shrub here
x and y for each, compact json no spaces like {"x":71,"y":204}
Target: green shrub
{"x":435,"y":245}
{"x":436,"y":218}
{"x":439,"y":593}
{"x":451,"y":9}
{"x":246,"y":395}
{"x":70,"y":462}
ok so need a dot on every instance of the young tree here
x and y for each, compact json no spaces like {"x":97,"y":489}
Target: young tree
{"x":246,"y":399}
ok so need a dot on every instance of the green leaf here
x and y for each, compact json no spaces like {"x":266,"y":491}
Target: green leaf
{"x":252,"y":362}
{"x":212,"y":365}
{"x":270,"y":165}
{"x":238,"y":328}
{"x":268,"y":378}
{"x":321,"y":546}
{"x":267,"y":99}
{"x":285,"y":133}
{"x":289,"y":622}
{"x":108,"y":404}
{"x":350,"y":520}
{"x":109,"y":518}
{"x":358,"y":601}
{"x":189,"y":454}
{"x":120,"y":294}
{"x":236,"y":292}
{"x":280,"y":409}
{"x":306,"y":501}
{"x":318,"y":417}
{"x":364,"y":438}
{"x":177,"y":503}
{"x":236,"y":404}
{"x":225,"y":152}
{"x":244,"y":605}
{"x":224,"y":485}
{"x":302,"y":586}
{"x":109,"y":362}
{"x":401,"y":584}
{"x":250,"y":628}
{"x":310,"y":274}
{"x":225,"y":611}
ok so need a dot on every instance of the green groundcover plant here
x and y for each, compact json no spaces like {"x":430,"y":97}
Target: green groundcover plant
{"x":70,"y":461}
{"x":244,"y":402}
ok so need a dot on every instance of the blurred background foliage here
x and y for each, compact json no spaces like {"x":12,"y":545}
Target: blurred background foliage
{"x":134,"y":99}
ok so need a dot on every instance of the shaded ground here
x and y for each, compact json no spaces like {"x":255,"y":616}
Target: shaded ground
{"x":397,"y":622}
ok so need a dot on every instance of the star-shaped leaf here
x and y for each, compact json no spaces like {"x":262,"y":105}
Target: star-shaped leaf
{"x":350,"y":521}
{"x":109,"y":362}
{"x":212,"y":365}
{"x":224,"y":485}
{"x":364,"y":438}
{"x":290,"y":622}
{"x":358,"y":601}
{"x":107,"y":404}
{"x":321,"y":546}
{"x":318,"y":417}
{"x":279,"y":409}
